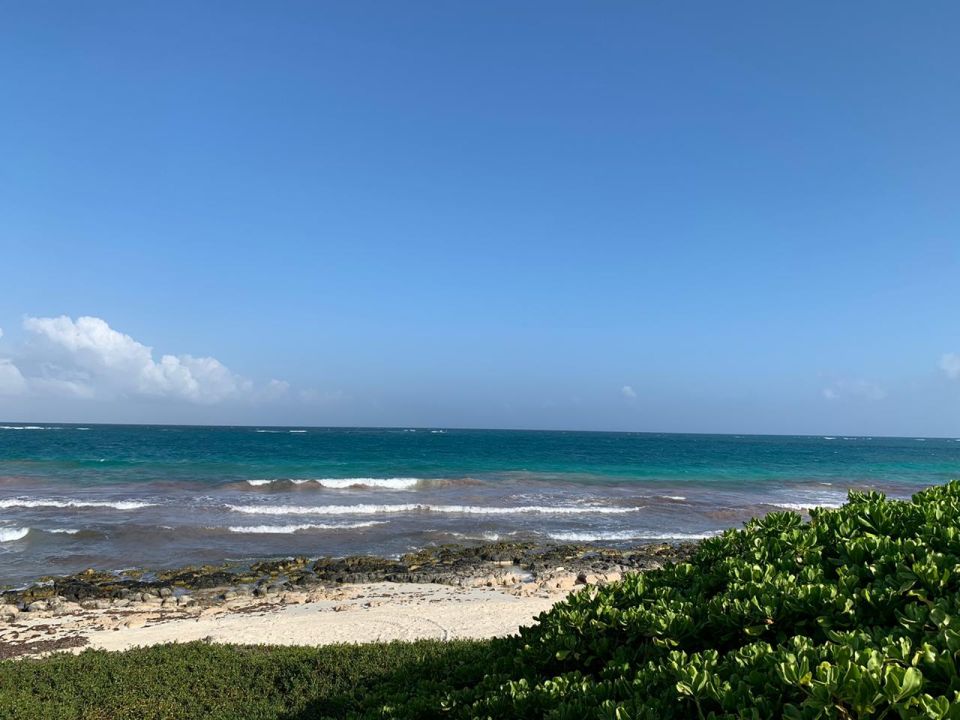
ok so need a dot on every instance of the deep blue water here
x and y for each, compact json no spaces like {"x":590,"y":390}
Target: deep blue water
{"x":73,"y":496}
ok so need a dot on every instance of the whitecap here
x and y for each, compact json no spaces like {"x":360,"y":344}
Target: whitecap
{"x":346,"y":483}
{"x":489,"y":536}
{"x":63,"y":531}
{"x":629,"y":535}
{"x":397,"y":483}
{"x":41,"y":503}
{"x":830,"y":504}
{"x":289,"y":529}
{"x":11,"y":534}
{"x":410,"y":507}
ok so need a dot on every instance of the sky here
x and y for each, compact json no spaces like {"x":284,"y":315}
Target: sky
{"x":671,"y":217}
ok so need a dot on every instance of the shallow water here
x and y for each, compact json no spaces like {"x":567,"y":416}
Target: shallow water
{"x":113,"y":497}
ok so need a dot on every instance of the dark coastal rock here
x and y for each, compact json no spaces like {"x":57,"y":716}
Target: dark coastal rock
{"x":279,"y":567}
{"x":496,"y":563}
{"x":201,"y":578}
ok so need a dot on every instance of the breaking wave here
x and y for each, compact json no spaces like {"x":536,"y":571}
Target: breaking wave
{"x":289,"y":529}
{"x":27,"y":427}
{"x":10,"y":534}
{"x":799,"y":506}
{"x":409,"y":508}
{"x":345,"y":483}
{"x":629,"y":535}
{"x":31,"y":503}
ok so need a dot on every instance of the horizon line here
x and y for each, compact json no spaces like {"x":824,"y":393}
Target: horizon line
{"x":37,"y":423}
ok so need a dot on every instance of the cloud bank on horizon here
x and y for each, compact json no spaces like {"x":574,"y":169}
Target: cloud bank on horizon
{"x":859,"y":388}
{"x":86,"y":358}
{"x":950,"y":364}
{"x":88,"y":366}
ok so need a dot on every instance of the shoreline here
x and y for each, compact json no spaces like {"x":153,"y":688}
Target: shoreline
{"x":442,"y":592}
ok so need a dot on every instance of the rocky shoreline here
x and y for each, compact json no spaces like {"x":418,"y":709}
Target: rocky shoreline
{"x":520,"y":568}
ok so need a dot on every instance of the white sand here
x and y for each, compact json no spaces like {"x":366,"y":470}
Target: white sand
{"x":351,"y":614}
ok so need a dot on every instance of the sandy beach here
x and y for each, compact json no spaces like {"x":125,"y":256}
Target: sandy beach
{"x":442,"y":593}
{"x":357,"y":613}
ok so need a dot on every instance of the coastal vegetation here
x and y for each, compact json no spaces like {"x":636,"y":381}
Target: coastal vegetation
{"x":854,"y":613}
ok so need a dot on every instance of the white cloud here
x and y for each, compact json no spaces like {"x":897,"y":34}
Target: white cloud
{"x":628,"y":392}
{"x":950,"y":364}
{"x":86,"y":357}
{"x":863,"y":389}
{"x":12,"y":381}
{"x":62,"y":387}
{"x":274,"y":390}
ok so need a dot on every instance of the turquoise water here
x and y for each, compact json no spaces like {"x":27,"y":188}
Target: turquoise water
{"x":73,"y":496}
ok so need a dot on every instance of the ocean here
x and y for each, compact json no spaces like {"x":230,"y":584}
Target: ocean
{"x":114,"y":497}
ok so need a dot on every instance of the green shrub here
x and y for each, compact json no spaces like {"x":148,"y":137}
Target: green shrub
{"x":220,"y":682}
{"x":853,"y":614}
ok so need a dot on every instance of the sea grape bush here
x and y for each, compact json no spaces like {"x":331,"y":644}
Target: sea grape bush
{"x":852,"y":614}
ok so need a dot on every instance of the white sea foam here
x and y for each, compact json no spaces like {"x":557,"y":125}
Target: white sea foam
{"x":11,"y":534}
{"x":678,"y":498}
{"x":808,"y":505}
{"x":410,"y":507}
{"x":289,"y":529}
{"x":41,"y":503}
{"x":628,"y":535}
{"x":297,"y":431}
{"x":490,"y":536}
{"x":63,"y":531}
{"x":344,"y":483}
{"x":26,"y":427}
{"x":387,"y":483}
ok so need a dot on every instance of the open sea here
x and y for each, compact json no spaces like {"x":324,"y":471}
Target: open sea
{"x":114,"y":497}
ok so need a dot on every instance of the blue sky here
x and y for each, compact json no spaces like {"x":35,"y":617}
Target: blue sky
{"x":719,"y":217}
